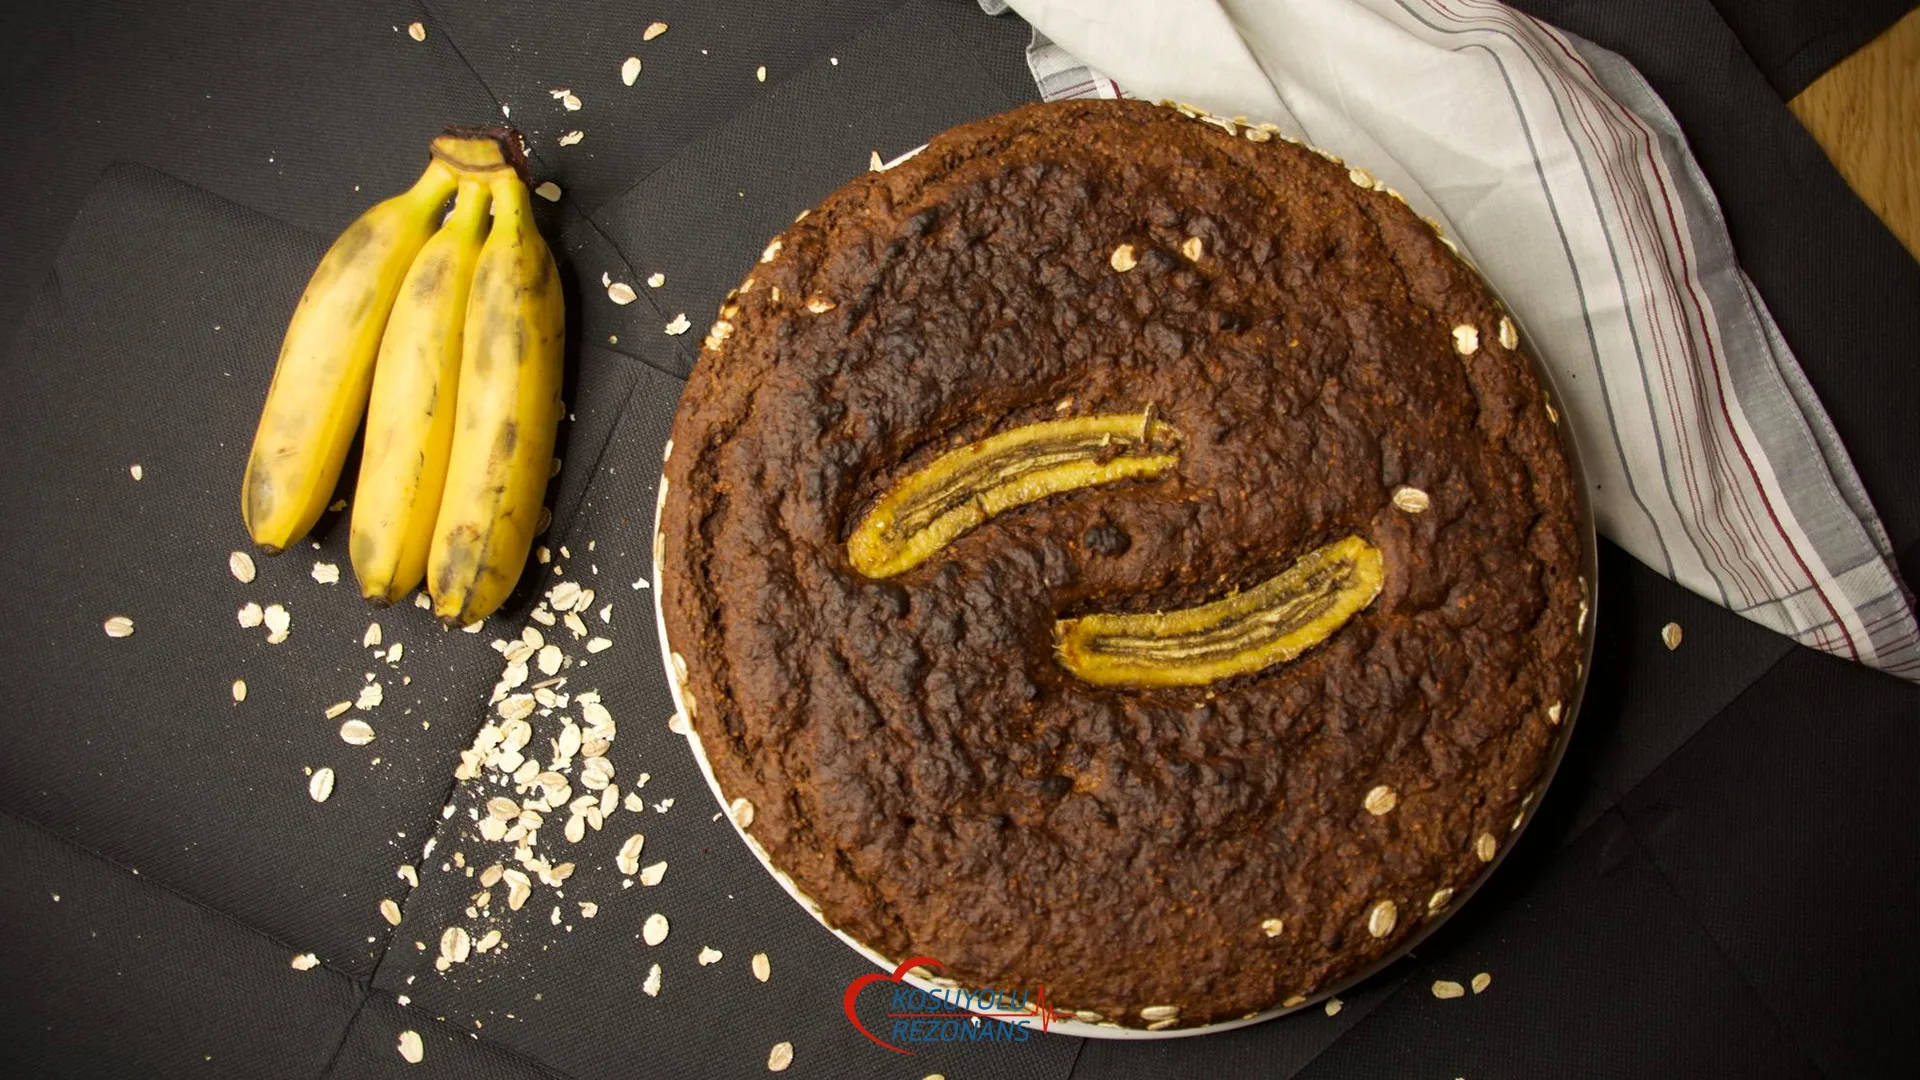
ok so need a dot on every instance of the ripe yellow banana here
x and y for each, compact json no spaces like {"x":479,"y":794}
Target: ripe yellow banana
{"x":505,"y":419}
{"x":410,"y":415}
{"x":321,"y":381}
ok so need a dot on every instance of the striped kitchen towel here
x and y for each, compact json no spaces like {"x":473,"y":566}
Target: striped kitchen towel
{"x":1566,"y":181}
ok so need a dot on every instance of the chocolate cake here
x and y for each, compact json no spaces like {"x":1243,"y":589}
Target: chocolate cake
{"x":1122,"y":551}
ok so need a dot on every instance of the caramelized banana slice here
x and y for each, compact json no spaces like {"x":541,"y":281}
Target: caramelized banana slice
{"x":962,"y":488}
{"x":1274,"y":621}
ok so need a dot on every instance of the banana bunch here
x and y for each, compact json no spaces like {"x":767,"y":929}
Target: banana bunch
{"x":447,"y":335}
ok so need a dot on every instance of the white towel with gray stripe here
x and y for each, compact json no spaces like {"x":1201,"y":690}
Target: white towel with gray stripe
{"x":1566,"y":181}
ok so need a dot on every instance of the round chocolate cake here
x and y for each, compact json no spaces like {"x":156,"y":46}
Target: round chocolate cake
{"x":1122,"y":551}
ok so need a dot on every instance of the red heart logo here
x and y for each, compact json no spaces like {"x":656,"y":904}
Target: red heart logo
{"x":861,"y":983}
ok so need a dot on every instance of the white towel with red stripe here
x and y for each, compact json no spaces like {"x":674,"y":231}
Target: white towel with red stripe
{"x":1564,"y":178}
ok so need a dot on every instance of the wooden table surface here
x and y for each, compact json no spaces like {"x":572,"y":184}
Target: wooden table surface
{"x":1866,"y":114}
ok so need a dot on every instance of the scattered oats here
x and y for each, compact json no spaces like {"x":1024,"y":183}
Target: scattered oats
{"x":606,"y":614}
{"x":1482,"y":981}
{"x":621,"y":293}
{"x":780,"y":1057}
{"x":1411,"y":499}
{"x":656,"y":280}
{"x":137,"y":472}
{"x":542,"y":616}
{"x":456,"y":944}
{"x":1485,"y":846}
{"x":422,"y":601}
{"x":372,"y":637}
{"x":1381,"y":917}
{"x":517,"y":707}
{"x":320,"y":784}
{"x":1122,"y":258}
{"x":1669,"y":635}
{"x":487,"y":940}
{"x":390,"y":911}
{"x":418,"y":32}
{"x":653,"y":31}
{"x":1445,"y":989}
{"x":572,"y":137}
{"x":371,"y":695}
{"x":634,"y":803}
{"x":576,"y":829}
{"x":1553,"y":713}
{"x":305,"y":961}
{"x":326,"y":573}
{"x":1193,"y":248}
{"x":652,"y":875}
{"x":628,"y":860}
{"x":548,"y":190}
{"x":651,"y":987}
{"x":874,"y":164}
{"x":554,"y":915}
{"x":679,"y":724}
{"x":630,"y":70}
{"x":762,"y":967}
{"x":1381,"y":800}
{"x":549,"y":659}
{"x":410,"y":1046}
{"x":1272,"y":927}
{"x":655,"y":929}
{"x":679,"y":325}
{"x":1160,"y":1012}
{"x":239,"y":689}
{"x":1466,"y":339}
{"x":708,"y":955}
{"x":250,"y":615}
{"x":1334,"y":1005}
{"x":408,"y":874}
{"x":335,"y":506}
{"x":118,"y":626}
{"x":394,"y":651}
{"x":491,"y":876}
{"x":1439,"y":900}
{"x":760,"y":73}
{"x":338,"y":709}
{"x":356,"y":732}
{"x":820,"y":305}
{"x":278,"y":622}
{"x":240,"y":565}
{"x":575,"y":623}
{"x":741,"y":811}
{"x":570,"y":101}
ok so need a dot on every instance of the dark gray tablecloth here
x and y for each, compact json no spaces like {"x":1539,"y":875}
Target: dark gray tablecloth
{"x":1721,"y":882}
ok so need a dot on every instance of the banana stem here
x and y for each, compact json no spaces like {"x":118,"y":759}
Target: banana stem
{"x":479,"y":151}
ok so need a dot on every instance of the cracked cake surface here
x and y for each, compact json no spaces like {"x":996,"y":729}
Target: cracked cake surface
{"x":910,"y":743}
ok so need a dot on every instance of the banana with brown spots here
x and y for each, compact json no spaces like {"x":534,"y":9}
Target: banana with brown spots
{"x":410,"y":416}
{"x":506,"y":416}
{"x":325,"y":370}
